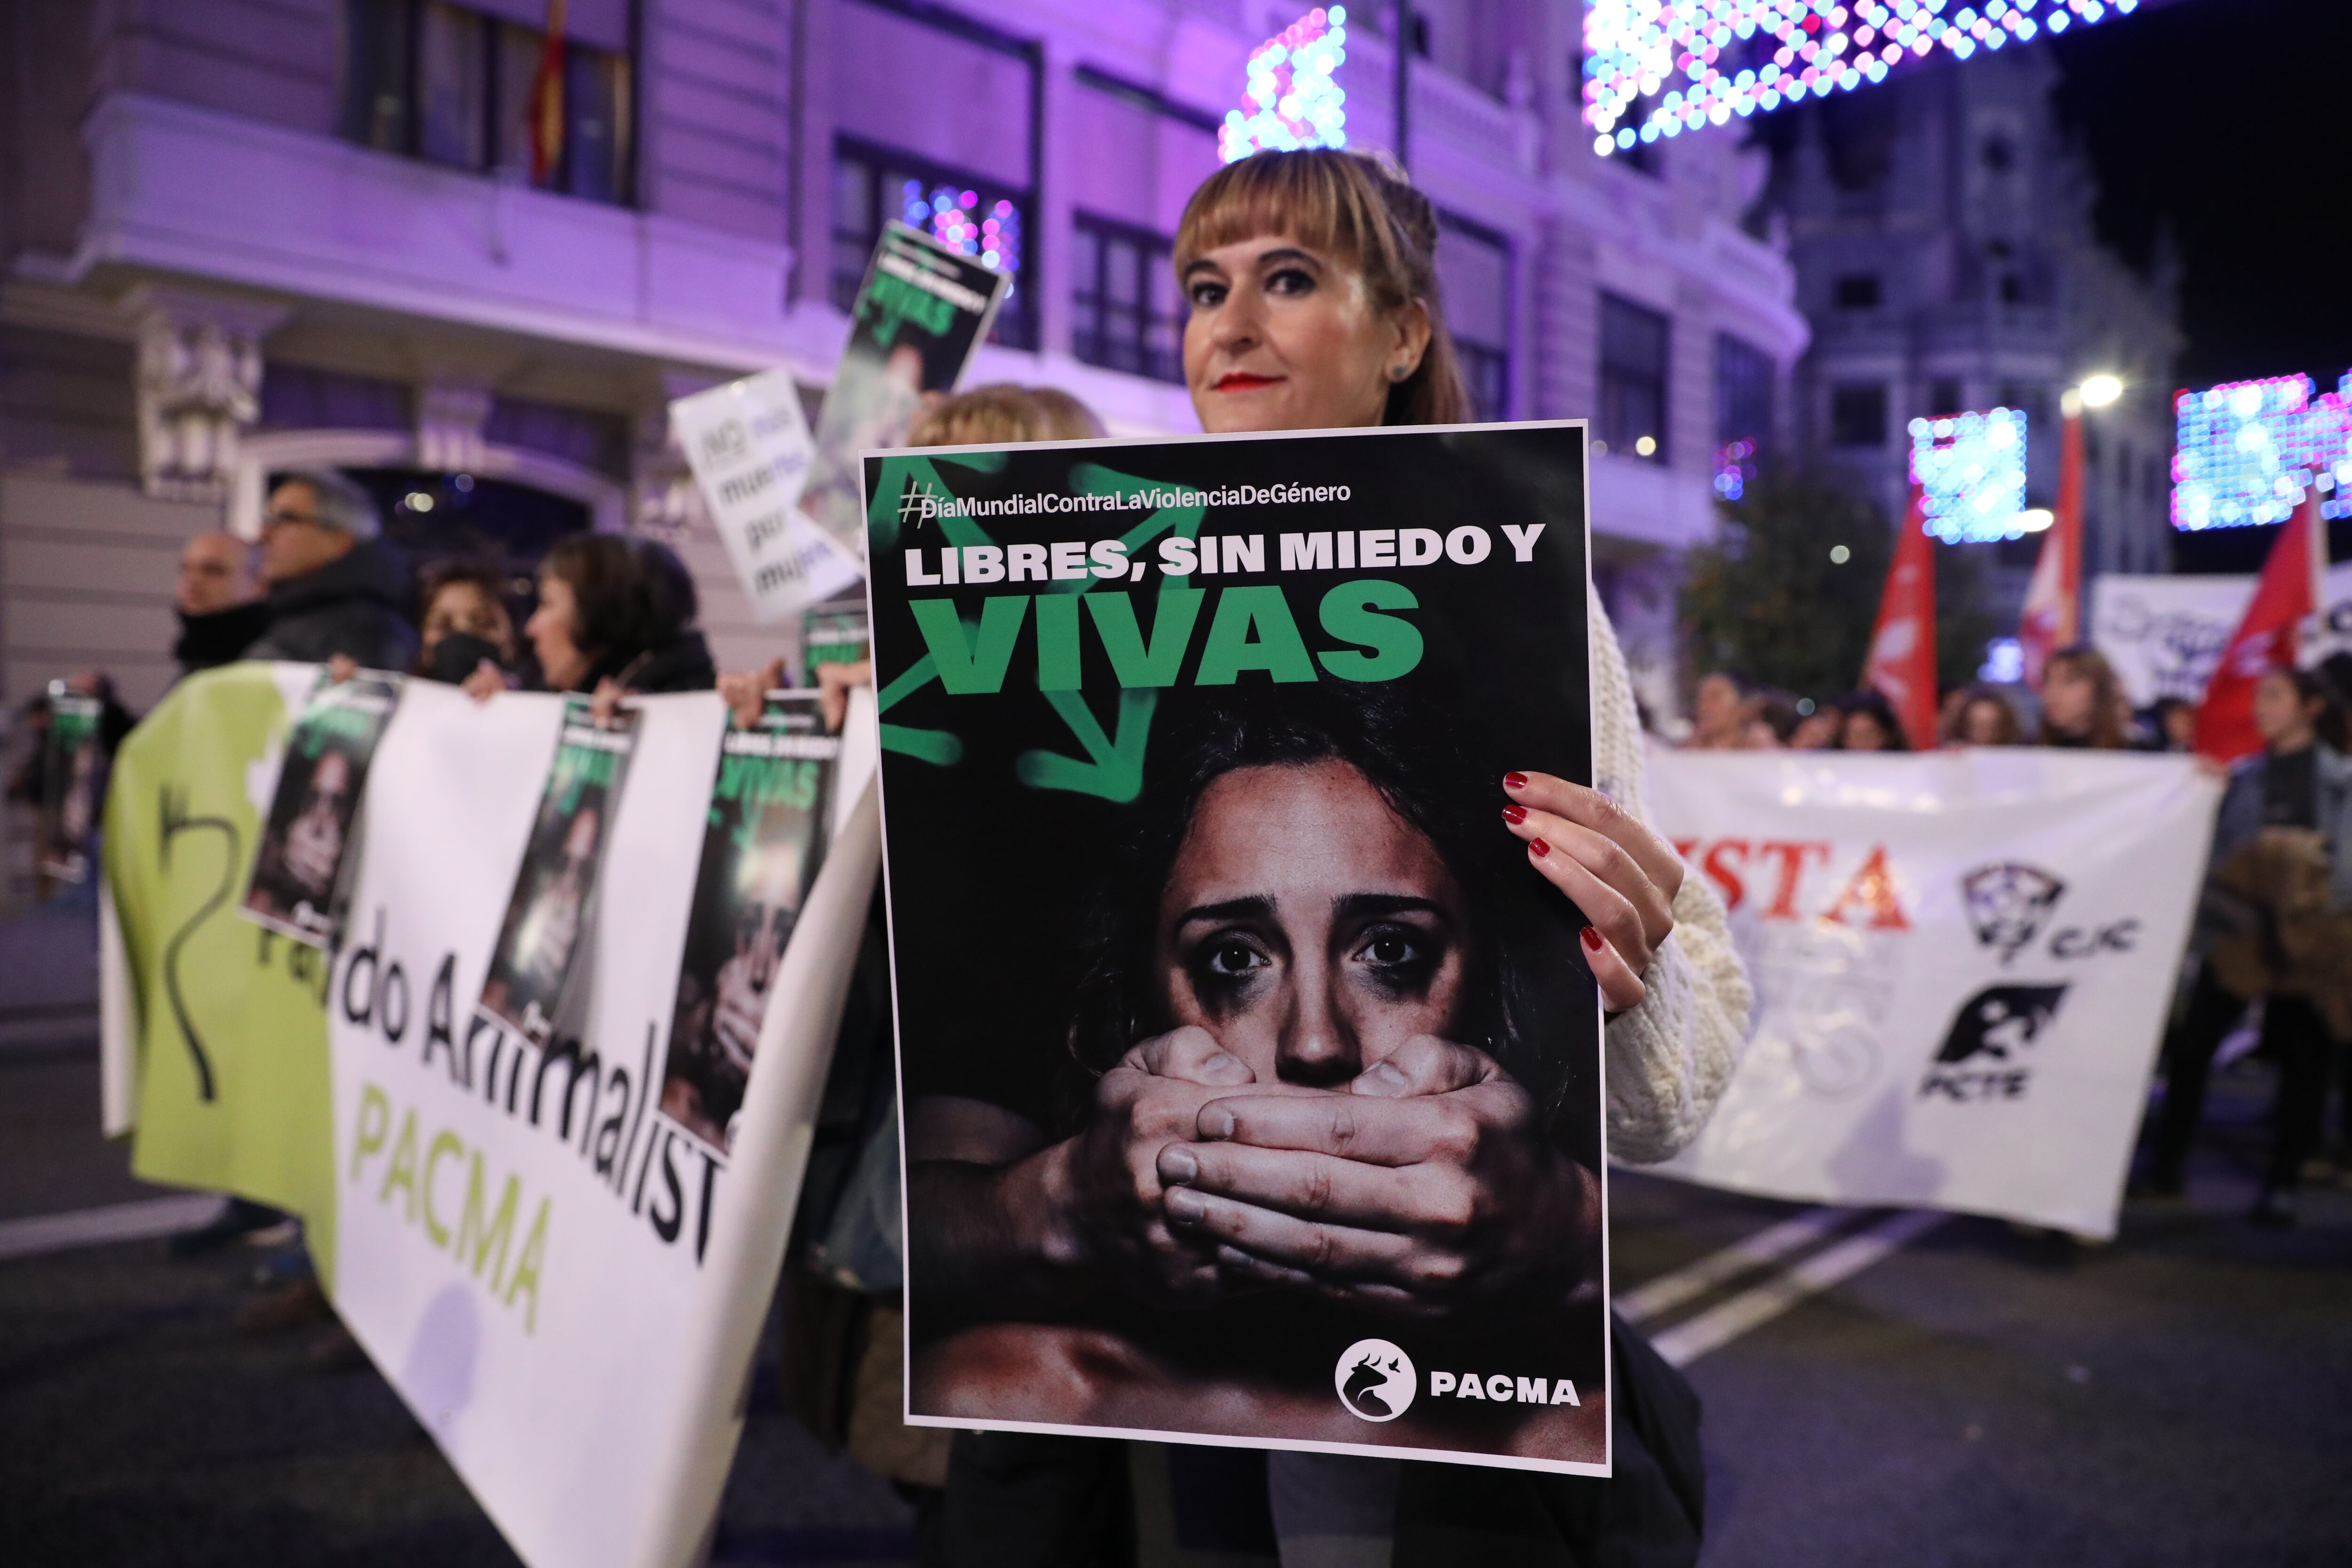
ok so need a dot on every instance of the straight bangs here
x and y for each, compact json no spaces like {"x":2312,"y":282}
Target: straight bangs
{"x":1320,"y":199}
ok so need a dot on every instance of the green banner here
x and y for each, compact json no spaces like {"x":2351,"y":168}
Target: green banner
{"x":230,"y":1026}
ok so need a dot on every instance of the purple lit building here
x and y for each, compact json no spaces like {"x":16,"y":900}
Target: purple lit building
{"x":238,"y":237}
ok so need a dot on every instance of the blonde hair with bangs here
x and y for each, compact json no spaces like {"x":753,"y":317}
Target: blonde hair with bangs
{"x":1003,"y":414}
{"x":1356,"y":209}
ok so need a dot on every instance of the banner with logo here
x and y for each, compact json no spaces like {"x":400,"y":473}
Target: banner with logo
{"x":301,"y":870}
{"x":561,"y":1279}
{"x":2164,"y":634}
{"x":1225,"y":995}
{"x":1962,"y":961}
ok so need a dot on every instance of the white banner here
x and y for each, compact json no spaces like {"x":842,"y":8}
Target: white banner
{"x":1962,"y":964}
{"x":2164,"y":634}
{"x":561,"y":1279}
{"x":749,"y":445}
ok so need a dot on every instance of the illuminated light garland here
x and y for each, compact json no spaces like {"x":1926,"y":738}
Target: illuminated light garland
{"x":1293,"y":98}
{"x":1659,"y":67}
{"x":2247,"y":451}
{"x":1970,"y":469}
{"x":955,"y":219}
{"x":1735,"y":468}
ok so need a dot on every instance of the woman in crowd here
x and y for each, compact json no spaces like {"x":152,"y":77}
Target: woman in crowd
{"x":1719,"y":713}
{"x":2273,"y":924}
{"x":1769,"y":721}
{"x":615,"y":617}
{"x":1982,"y":717}
{"x":1866,"y":722}
{"x":466,"y":623}
{"x":1817,"y":728}
{"x":2082,"y":704}
{"x":2171,"y":725}
{"x":1314,"y":304}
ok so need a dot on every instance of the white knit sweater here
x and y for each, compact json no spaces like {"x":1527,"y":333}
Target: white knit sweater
{"x":1669,"y":1059}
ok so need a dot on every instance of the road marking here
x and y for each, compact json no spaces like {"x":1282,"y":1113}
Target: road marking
{"x":96,"y":1227}
{"x":1693,"y":1280}
{"x":1719,"y":1325}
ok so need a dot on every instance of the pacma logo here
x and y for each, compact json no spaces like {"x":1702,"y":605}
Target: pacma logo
{"x":1783,"y":875}
{"x":1502,"y":1388}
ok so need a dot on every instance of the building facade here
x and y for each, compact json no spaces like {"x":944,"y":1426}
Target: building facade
{"x":239,"y":236}
{"x":1940,"y":226}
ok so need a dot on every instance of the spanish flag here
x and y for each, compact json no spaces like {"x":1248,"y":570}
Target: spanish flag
{"x":546,"y":112}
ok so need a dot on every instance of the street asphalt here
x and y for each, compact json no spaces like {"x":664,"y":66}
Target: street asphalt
{"x":1978,"y":1396}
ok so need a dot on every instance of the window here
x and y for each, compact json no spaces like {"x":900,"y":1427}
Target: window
{"x":1946,"y":397}
{"x":1744,"y":375}
{"x":453,"y":85}
{"x":1858,"y":291}
{"x":981,"y":218}
{"x":1474,"y":280}
{"x":1126,"y":312}
{"x":1858,"y":414}
{"x":1633,"y":346}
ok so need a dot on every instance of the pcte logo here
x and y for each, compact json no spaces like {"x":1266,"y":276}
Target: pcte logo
{"x":1979,"y":1060}
{"x":1376,"y":1380}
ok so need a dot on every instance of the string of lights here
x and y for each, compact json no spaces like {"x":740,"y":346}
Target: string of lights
{"x":1293,"y":98}
{"x":1659,"y":67}
{"x":1970,"y":469}
{"x":2247,"y":451}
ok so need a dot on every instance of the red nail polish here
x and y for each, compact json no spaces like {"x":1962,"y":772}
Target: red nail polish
{"x":1540,"y":847}
{"x":1515,"y":814}
{"x":1515,"y":780}
{"x":1592,"y":940}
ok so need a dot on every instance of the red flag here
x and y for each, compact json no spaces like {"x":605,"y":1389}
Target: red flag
{"x":2265,"y":640}
{"x":1902,"y":663}
{"x":2052,"y":617}
{"x":545,"y":113}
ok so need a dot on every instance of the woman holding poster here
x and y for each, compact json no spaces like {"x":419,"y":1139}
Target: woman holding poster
{"x":1388,"y":1143}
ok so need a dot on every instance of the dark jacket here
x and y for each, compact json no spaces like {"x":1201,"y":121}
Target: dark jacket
{"x":2239,"y":821}
{"x":207,"y":642}
{"x":681,"y":664}
{"x":356,"y":606}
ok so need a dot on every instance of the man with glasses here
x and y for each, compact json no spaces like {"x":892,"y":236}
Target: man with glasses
{"x":335,"y":586}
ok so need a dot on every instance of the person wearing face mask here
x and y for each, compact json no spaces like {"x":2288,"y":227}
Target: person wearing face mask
{"x":466,"y":623}
{"x":1314,"y":304}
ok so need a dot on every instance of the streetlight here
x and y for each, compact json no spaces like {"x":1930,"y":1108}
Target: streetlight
{"x":2096,"y":391}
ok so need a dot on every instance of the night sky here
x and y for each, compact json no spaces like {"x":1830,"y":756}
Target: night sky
{"x":2227,"y":120}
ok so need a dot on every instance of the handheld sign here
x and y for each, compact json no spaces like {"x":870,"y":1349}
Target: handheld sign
{"x":1252,"y":1074}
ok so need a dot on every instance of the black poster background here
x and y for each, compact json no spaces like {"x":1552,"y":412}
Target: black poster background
{"x":990,"y":879}
{"x":343,"y":720}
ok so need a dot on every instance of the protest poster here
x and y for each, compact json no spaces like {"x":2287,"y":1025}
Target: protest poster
{"x":760,"y":850}
{"x":917,"y":320}
{"x":554,"y":891}
{"x":297,"y":873}
{"x":1192,"y":757}
{"x":73,"y":782}
{"x":563,"y":1285}
{"x":833,"y":633}
{"x":1962,"y":962}
{"x":748,"y":443}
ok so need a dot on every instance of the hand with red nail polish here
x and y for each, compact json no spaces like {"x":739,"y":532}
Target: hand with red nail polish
{"x":1620,"y":876}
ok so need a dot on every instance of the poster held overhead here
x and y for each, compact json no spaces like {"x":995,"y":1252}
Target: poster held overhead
{"x":918,"y":317}
{"x":749,"y":445}
{"x":1192,"y":761}
{"x":304,"y":864}
{"x":73,"y":782}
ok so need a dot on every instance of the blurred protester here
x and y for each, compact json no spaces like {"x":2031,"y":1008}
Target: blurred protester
{"x":1866,"y":722}
{"x":1981,"y":716}
{"x":617,"y":609}
{"x":1718,"y":714}
{"x":465,"y":625}
{"x":217,"y":598}
{"x":2275,"y":923}
{"x":1817,"y":729}
{"x":2083,"y":702}
{"x":1769,"y":721}
{"x":336,"y":585}
{"x":844,"y":1327}
{"x":2170,"y":725}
